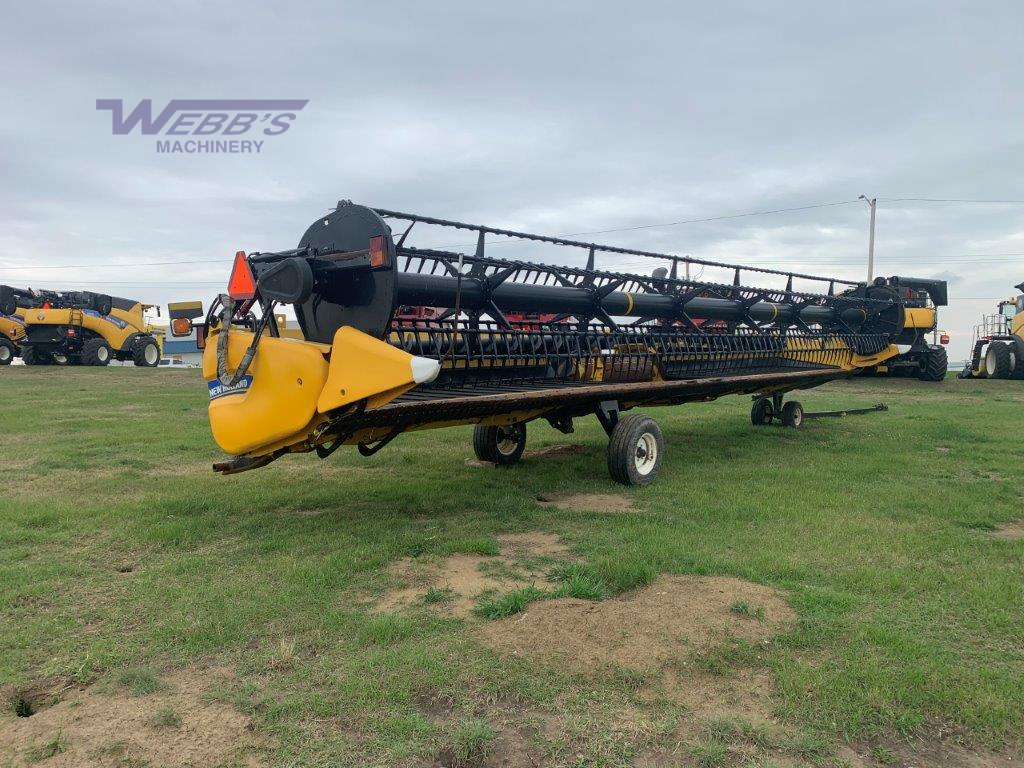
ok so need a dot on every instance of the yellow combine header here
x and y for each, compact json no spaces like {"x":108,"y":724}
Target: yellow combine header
{"x":398,"y":337}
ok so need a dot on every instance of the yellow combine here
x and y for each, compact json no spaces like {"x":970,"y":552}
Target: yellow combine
{"x":84,"y":328}
{"x":921,"y":357}
{"x":998,"y":350}
{"x":13,"y":304}
{"x":507,"y":342}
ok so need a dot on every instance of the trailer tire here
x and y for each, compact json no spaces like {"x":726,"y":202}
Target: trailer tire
{"x":934,"y":365}
{"x":145,"y":352}
{"x":635,"y":450}
{"x":998,"y":362}
{"x":762,"y":412}
{"x":7,"y":351}
{"x":499,"y":445}
{"x":96,"y":352}
{"x":792,"y":414}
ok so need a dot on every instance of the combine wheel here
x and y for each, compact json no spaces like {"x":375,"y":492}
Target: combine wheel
{"x":7,"y":351}
{"x":500,"y":445}
{"x":934,"y":365}
{"x":32,"y":356}
{"x":1018,"y":356}
{"x":762,"y":412}
{"x":792,"y":414}
{"x":998,"y":361}
{"x":635,"y":450}
{"x":145,"y":352}
{"x":95,"y":352}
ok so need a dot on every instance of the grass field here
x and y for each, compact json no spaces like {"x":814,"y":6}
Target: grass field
{"x":877,"y":603}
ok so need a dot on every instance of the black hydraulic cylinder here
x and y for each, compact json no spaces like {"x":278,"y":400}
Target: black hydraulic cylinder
{"x":472,"y":294}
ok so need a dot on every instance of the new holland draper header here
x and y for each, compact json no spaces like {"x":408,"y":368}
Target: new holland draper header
{"x":506,"y":342}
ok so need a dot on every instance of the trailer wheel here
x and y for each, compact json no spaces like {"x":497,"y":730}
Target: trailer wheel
{"x":998,"y":362}
{"x":635,"y":450}
{"x":145,"y":352}
{"x":499,"y":445}
{"x":792,"y":414}
{"x":934,"y":365}
{"x":95,"y":352}
{"x":7,"y":351}
{"x":762,"y":412}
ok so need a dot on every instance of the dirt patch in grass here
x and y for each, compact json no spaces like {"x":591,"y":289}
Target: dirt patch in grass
{"x":569,"y":449}
{"x":747,"y":693}
{"x":1012,"y":531}
{"x":932,"y":748}
{"x":588,"y":502}
{"x":665,"y":621}
{"x":173,"y":726}
{"x":452,"y":584}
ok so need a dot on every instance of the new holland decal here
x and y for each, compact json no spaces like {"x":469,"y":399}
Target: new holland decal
{"x":217,"y":389}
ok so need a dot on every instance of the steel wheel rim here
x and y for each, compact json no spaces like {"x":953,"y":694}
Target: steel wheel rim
{"x":507,"y":441}
{"x":990,"y":361}
{"x":151,"y":354}
{"x":646,"y":454}
{"x":5,"y":353}
{"x":102,"y":354}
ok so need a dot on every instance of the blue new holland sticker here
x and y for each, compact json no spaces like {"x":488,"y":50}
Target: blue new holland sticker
{"x":109,"y":318}
{"x":222,"y":390}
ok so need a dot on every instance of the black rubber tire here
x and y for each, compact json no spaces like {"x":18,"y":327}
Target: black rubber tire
{"x":934,"y":365}
{"x":7,"y":351}
{"x":32,"y":356}
{"x":96,"y":352}
{"x":762,"y":412}
{"x":500,"y":445}
{"x":1018,"y":370}
{"x":997,"y":360}
{"x":145,"y":347}
{"x":633,"y":437}
{"x":792,"y":414}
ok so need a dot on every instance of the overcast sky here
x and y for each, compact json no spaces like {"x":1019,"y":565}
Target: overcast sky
{"x":557,"y":117}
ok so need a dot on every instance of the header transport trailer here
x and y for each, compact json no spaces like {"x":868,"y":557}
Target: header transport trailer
{"x":598,"y":342}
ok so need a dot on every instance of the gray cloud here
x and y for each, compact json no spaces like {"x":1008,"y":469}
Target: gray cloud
{"x":557,"y":117}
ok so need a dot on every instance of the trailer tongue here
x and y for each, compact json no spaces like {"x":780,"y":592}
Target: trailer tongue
{"x":510,"y":341}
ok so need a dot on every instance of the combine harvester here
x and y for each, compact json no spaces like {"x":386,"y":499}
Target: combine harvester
{"x":82,"y":328}
{"x":372,"y":366}
{"x":13,"y":304}
{"x":998,"y":349}
{"x":919,"y":358}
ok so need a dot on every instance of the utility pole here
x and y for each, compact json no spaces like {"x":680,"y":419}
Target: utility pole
{"x":871,"y":237}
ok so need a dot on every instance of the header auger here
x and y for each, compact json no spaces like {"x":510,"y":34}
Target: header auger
{"x":509,"y":341}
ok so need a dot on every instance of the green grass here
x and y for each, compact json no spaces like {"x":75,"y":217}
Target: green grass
{"x":123,"y":556}
{"x":50,"y":748}
{"x":470,"y":742}
{"x":167,"y":717}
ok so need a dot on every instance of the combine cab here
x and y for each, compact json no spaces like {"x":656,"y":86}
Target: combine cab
{"x":919,"y":357}
{"x":84,"y":328}
{"x":508,"y":342}
{"x":13,"y":304}
{"x":998,"y":349}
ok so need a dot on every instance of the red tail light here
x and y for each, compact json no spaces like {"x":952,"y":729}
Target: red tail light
{"x":944,"y":338}
{"x":241,"y":284}
{"x":378,"y":251}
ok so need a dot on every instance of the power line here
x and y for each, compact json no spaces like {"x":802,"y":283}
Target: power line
{"x":946,"y":200}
